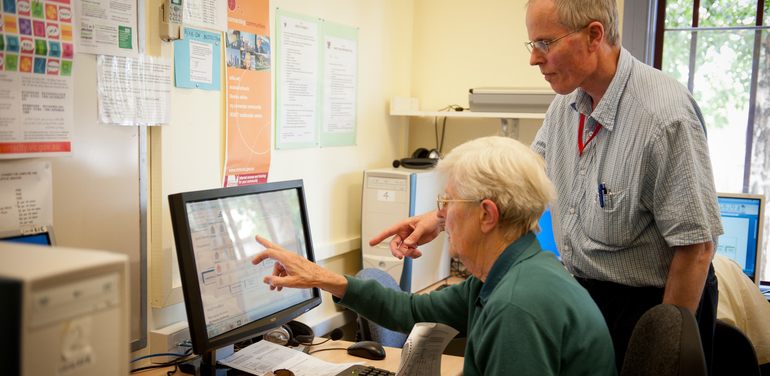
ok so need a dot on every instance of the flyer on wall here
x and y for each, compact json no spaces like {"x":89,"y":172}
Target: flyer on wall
{"x":36,"y":54}
{"x":249,"y":128}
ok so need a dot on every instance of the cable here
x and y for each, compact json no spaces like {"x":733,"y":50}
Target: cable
{"x":174,"y":363}
{"x":334,"y":348}
{"x":161,"y":354}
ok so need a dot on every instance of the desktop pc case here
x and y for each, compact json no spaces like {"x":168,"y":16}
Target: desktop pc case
{"x":64,"y":311}
{"x":390,"y":195}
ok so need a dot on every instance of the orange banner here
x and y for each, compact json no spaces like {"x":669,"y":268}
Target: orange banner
{"x":248,"y":51}
{"x":33,"y":147}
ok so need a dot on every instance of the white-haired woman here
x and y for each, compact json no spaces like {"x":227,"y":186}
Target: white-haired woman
{"x":521,"y":311}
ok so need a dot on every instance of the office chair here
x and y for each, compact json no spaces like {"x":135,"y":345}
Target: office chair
{"x":369,"y":331}
{"x":733,"y":352}
{"x":665,"y":342}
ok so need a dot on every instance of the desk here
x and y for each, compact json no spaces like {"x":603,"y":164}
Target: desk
{"x":450,"y":365}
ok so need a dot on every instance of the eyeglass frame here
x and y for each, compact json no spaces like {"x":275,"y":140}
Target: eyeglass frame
{"x":441,"y":202}
{"x":531,"y":46}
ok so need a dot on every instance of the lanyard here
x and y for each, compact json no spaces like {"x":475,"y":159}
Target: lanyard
{"x":581,"y":145}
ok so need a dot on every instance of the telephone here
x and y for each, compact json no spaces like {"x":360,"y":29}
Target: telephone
{"x":171,"y":20}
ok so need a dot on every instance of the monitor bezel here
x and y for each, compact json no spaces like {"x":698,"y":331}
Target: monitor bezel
{"x":761,"y":227}
{"x":190,"y":287}
{"x":30,"y":231}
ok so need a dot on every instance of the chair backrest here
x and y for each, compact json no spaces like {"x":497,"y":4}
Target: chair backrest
{"x":665,"y":342}
{"x":733,"y":352}
{"x":370,"y":331}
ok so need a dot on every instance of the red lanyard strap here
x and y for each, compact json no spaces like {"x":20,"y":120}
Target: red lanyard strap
{"x":581,"y":145}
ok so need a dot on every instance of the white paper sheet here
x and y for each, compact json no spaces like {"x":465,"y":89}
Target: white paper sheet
{"x":298,"y":80}
{"x":106,"y":27}
{"x":340,"y":85}
{"x":26,"y":195}
{"x":133,"y":91}
{"x":211,"y":14}
{"x":421,"y":355}
{"x":263,"y":357}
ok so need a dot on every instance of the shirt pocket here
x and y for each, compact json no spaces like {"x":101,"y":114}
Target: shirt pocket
{"x":609,"y":225}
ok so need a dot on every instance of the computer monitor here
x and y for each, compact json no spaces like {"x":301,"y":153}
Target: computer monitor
{"x":743,"y":221}
{"x":225,"y":296}
{"x":41,"y":235}
{"x":545,"y":236}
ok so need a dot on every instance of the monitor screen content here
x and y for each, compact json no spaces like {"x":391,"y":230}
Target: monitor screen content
{"x":742,"y":222}
{"x":40,"y":235}
{"x":225,"y":296}
{"x":546,"y":237}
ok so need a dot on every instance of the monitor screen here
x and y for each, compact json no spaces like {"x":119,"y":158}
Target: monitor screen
{"x":214,"y":230}
{"x":742,"y":219}
{"x":41,"y":235}
{"x":546,"y":237}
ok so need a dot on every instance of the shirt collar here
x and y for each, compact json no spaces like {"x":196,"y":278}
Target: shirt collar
{"x":513,"y":254}
{"x":605,"y":112}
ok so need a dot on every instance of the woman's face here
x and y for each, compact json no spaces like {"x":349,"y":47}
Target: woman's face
{"x":462,"y":227}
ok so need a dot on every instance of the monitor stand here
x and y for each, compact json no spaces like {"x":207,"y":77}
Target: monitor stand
{"x":206,"y":364}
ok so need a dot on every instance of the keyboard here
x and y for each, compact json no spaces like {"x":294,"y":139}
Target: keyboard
{"x":365,"y":371}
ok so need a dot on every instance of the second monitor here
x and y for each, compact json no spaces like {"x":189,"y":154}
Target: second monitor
{"x":743,"y":222}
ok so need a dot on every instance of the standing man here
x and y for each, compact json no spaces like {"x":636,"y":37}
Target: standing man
{"x":625,"y":146}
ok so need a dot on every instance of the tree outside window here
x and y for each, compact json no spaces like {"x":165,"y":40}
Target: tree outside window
{"x":719,"y":49}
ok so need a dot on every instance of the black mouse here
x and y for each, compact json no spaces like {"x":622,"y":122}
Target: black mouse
{"x":367,"y":349}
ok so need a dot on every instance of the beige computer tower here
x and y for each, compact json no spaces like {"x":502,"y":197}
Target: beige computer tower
{"x":65,"y":311}
{"x":390,"y":195}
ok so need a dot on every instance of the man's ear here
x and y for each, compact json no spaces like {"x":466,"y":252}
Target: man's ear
{"x":490,"y":216}
{"x":595,"y":35}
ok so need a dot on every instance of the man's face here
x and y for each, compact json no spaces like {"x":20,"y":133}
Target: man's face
{"x":564,"y":66}
{"x":259,"y":42}
{"x":247,"y":60}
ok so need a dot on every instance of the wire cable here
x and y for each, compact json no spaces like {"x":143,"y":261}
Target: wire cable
{"x":161,"y":354}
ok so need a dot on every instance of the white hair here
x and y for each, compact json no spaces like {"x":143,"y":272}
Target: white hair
{"x":505,"y":171}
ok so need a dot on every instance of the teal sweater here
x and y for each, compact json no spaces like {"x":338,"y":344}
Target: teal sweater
{"x":530,"y":317}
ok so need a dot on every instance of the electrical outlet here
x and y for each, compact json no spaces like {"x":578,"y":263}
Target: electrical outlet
{"x":167,"y":340}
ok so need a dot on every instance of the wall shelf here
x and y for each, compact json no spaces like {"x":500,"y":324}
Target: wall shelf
{"x":508,"y":120}
{"x":469,"y":114}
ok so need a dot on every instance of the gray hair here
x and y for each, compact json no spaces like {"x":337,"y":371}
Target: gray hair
{"x":574,"y":14}
{"x":508,"y":173}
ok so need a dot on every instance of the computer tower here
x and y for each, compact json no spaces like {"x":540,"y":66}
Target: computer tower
{"x":390,"y":195}
{"x":64,"y":311}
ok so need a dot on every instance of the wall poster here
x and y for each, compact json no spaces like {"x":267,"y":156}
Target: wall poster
{"x":248,"y":49}
{"x":36,"y":53}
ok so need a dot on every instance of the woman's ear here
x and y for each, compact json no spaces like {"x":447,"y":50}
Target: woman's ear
{"x":490,"y":217}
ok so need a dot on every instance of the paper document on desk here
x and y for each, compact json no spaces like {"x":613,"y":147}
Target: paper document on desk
{"x":421,"y":355}
{"x":264,"y":357}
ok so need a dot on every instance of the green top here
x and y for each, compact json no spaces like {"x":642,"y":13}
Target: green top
{"x":530,"y":317}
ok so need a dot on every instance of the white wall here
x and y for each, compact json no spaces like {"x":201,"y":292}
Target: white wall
{"x":191,"y":154}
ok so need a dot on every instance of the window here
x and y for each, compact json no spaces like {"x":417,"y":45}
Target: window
{"x":719,"y":50}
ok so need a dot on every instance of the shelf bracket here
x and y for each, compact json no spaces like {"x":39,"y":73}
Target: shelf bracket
{"x":510,"y":127}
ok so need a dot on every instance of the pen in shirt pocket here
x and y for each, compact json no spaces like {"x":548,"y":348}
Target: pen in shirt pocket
{"x":605,"y":195}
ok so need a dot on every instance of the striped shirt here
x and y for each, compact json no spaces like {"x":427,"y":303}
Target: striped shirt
{"x":651,"y":155}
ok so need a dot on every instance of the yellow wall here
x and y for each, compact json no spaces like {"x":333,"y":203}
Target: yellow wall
{"x":459,"y":45}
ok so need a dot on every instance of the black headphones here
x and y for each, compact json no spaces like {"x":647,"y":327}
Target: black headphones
{"x":293,"y":333}
{"x":422,"y":158}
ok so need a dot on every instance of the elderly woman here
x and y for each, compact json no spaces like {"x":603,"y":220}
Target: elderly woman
{"x":521,"y":311}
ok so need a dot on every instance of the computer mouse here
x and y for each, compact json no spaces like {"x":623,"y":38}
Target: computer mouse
{"x":367,"y":349}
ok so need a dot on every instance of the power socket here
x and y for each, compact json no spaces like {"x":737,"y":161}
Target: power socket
{"x":167,"y":340}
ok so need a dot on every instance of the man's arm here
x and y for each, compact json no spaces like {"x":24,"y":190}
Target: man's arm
{"x":687,"y":275}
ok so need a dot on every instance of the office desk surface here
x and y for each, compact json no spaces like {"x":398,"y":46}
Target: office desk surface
{"x":450,"y":365}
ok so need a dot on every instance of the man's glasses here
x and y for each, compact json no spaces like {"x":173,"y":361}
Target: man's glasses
{"x":443,"y":202}
{"x":542,"y":45}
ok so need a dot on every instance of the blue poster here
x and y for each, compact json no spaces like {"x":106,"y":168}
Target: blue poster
{"x":197,"y":60}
